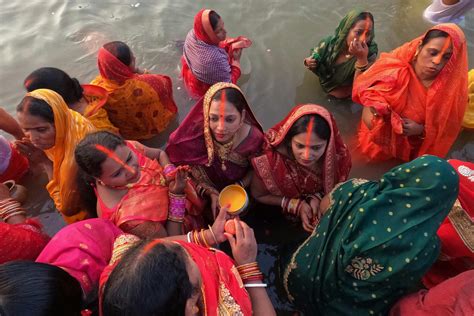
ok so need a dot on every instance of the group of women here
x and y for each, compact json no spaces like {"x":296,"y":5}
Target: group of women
{"x":152,"y":249}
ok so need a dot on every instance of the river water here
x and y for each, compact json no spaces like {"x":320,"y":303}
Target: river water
{"x":67,"y":35}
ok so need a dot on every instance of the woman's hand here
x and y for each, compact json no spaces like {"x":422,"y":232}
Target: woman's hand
{"x":359,"y":50}
{"x":243,"y":244}
{"x":214,"y":203}
{"x":306,"y":215}
{"x":310,"y":63}
{"x":177,"y":185}
{"x":219,"y":223}
{"x":237,"y":53}
{"x":411,"y":128}
{"x":35,"y":155}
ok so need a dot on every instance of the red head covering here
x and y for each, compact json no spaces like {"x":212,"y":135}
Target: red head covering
{"x":110,"y":67}
{"x":337,"y":159}
{"x":203,"y":28}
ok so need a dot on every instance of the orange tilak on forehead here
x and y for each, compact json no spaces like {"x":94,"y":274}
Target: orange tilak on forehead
{"x":114,"y":157}
{"x":222,"y":107}
{"x":309,"y":132}
{"x":363,"y":37}
{"x":447,"y":44}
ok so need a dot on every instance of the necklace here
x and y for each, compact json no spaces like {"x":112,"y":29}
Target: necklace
{"x":223,"y":151}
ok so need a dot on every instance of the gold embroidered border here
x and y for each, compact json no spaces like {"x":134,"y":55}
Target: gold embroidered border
{"x":463,"y":224}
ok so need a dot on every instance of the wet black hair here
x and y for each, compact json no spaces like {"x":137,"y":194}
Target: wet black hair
{"x":149,"y":282}
{"x":214,"y":18}
{"x":233,"y":96}
{"x":89,"y":159}
{"x":121,"y":51}
{"x":36,"y":107}
{"x":320,"y":128}
{"x":433,"y":34}
{"x":31,"y":288}
{"x":57,"y":80}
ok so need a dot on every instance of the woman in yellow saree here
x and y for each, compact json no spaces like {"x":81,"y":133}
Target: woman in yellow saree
{"x":52,"y":131}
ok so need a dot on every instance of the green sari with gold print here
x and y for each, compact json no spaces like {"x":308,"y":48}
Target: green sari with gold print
{"x":375,"y":242}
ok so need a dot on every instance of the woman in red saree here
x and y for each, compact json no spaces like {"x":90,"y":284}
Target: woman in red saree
{"x":457,"y":231}
{"x":414,"y":98}
{"x":140,"y":105}
{"x":208,"y":57}
{"x":165,"y":277}
{"x":217,"y":139}
{"x":304,"y":158}
{"x":135,"y":186}
{"x":87,"y":99}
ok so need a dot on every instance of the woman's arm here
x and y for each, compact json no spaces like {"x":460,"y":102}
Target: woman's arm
{"x":260,"y":193}
{"x":10,"y":125}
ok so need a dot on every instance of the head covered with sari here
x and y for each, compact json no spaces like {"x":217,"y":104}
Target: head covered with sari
{"x":140,"y":105}
{"x":375,"y":242}
{"x":82,"y":249}
{"x":222,"y":291}
{"x":274,"y":172}
{"x":392,"y":87}
{"x":192,"y":142}
{"x":70,"y":128}
{"x":329,"y":48}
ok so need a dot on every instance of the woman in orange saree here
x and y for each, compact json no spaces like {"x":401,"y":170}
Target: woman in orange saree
{"x":140,"y":105}
{"x":86,"y":99}
{"x":414,"y":98}
{"x":52,"y":131}
{"x":304,"y":158}
{"x":136,"y":187}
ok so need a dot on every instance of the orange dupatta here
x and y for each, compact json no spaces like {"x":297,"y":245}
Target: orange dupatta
{"x":393,"y":89}
{"x":96,"y":98}
{"x":71,"y":127}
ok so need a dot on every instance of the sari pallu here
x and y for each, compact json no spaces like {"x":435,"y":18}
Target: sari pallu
{"x":392,"y":88}
{"x":96,"y":98}
{"x":71,"y":127}
{"x":468,"y":120}
{"x":373,"y":235}
{"x":147,"y":199}
{"x":330,"y":75}
{"x":141,"y":106}
{"x":283,"y":176}
{"x":83,"y":250}
{"x":206,"y":60}
{"x":457,"y":231}
{"x":192,"y":144}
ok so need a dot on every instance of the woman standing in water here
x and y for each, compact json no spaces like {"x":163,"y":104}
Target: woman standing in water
{"x":347,"y":53}
{"x":414,"y":97}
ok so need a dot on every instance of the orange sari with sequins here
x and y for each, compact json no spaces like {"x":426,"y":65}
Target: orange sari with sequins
{"x":141,"y":106}
{"x":391,"y":87}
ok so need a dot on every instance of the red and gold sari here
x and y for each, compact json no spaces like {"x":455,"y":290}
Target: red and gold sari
{"x":283,"y":176}
{"x":192,"y":144}
{"x":147,"y":199}
{"x":457,"y":231}
{"x":141,"y":106}
{"x":96,"y":98}
{"x":392,"y":88}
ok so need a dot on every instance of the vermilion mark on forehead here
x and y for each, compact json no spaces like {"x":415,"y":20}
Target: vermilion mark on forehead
{"x":447,"y":44}
{"x":309,"y":132}
{"x":114,"y":157}
{"x":363,"y":37}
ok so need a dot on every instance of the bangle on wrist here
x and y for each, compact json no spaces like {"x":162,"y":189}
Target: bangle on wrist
{"x":255,"y":285}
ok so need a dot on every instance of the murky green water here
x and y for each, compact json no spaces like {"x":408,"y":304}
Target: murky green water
{"x":67,"y":35}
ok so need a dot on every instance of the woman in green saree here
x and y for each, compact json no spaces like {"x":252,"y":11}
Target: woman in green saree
{"x":340,"y":57}
{"x":375,"y":241}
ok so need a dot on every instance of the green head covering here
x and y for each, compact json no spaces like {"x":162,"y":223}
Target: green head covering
{"x":327,"y":51}
{"x":375,"y":242}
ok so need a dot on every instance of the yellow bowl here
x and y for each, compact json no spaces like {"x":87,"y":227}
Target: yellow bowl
{"x":235,"y":196}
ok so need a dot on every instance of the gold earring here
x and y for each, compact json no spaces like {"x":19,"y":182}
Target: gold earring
{"x":195,"y":309}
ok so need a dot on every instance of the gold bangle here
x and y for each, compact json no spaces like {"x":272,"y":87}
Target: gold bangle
{"x":212,"y":233}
